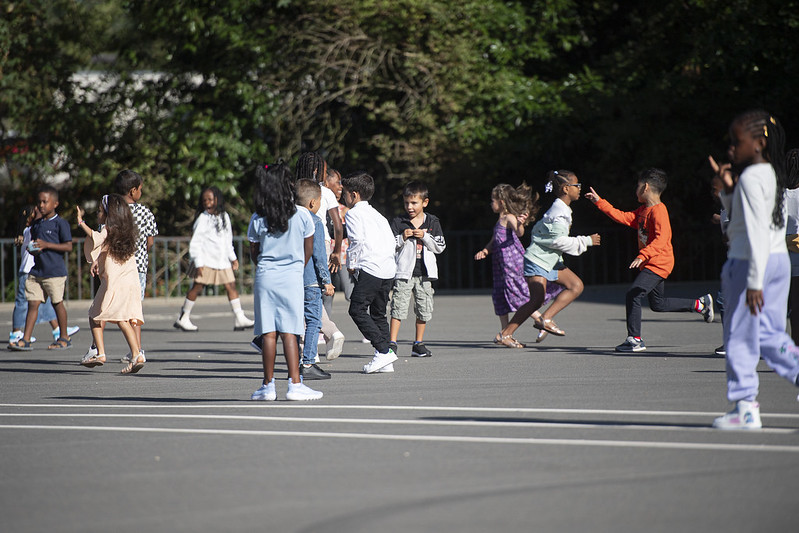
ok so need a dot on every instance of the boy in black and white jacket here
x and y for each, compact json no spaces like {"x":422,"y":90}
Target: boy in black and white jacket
{"x":419,"y":238}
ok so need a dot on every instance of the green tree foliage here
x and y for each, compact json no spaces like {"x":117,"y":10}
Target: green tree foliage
{"x":460,"y":94}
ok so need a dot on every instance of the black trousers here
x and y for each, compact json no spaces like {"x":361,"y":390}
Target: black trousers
{"x":368,"y":309}
{"x":649,"y":284}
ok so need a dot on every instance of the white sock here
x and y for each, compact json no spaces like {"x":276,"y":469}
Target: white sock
{"x":186,"y":309}
{"x":236,"y":306}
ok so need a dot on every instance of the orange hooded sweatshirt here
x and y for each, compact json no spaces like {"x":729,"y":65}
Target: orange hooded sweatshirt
{"x":654,"y":234}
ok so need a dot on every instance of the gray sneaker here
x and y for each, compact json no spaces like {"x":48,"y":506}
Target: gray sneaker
{"x":631,"y":345}
{"x":707,"y":312}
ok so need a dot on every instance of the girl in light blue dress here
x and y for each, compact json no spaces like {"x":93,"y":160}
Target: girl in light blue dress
{"x":281,"y":242}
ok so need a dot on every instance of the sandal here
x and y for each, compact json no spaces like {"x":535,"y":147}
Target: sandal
{"x":60,"y":344}
{"x":508,"y":341}
{"x":542,"y":334}
{"x":549,"y":326}
{"x":92,"y":360}
{"x":135,"y":364}
{"x":20,"y":346}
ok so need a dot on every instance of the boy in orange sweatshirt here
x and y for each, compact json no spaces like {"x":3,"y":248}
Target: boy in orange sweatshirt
{"x":655,"y":259}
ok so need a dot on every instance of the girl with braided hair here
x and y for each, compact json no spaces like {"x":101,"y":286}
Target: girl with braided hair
{"x":756,"y":277}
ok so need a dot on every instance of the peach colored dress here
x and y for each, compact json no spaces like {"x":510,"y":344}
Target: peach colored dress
{"x":119,"y":297}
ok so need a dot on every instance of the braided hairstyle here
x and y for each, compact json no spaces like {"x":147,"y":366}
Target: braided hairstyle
{"x":311,"y":166}
{"x":792,"y":168}
{"x":556,"y":179}
{"x":761,"y":124}
{"x":517,"y":201}
{"x":274,"y":196}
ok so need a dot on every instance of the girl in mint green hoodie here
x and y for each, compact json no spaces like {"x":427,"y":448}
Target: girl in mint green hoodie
{"x":542,"y":259}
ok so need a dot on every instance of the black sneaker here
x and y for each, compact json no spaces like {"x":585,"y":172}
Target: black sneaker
{"x":392,"y":346}
{"x":258,"y":343}
{"x":313,"y":372}
{"x":721,"y":350}
{"x":420,"y":350}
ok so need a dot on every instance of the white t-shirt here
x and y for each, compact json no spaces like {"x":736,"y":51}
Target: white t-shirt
{"x":792,"y":209}
{"x":752,"y":235}
{"x":328,"y":202}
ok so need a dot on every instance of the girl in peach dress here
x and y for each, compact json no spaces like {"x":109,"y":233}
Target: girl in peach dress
{"x":118,"y":300}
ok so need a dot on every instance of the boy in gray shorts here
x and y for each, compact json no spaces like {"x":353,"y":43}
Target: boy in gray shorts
{"x":419,"y":237}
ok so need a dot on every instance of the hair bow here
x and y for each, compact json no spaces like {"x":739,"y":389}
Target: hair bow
{"x":104,"y":203}
{"x":548,"y":187}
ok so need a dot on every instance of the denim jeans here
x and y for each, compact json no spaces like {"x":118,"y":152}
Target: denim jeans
{"x":313,"y":323}
{"x":46,"y":311}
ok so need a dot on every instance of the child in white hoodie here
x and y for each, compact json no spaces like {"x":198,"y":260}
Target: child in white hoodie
{"x":419,"y":237}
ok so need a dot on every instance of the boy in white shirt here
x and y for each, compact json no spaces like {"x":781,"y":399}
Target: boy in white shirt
{"x":370,"y":258}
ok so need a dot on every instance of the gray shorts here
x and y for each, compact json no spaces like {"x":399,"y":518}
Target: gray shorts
{"x":422,"y":290}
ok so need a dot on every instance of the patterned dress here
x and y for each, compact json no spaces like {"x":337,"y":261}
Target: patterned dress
{"x":507,"y":259}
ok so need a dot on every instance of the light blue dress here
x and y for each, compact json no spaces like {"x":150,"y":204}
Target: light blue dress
{"x":279,"y":289}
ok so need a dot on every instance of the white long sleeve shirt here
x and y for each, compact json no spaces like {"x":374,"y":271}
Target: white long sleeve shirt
{"x":752,"y":235}
{"x":371,"y":247}
{"x":211,"y":244}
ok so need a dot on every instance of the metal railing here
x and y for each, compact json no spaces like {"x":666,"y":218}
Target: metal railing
{"x":699,"y":253}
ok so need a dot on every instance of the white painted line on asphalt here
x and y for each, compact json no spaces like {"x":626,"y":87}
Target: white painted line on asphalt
{"x":281,"y":405}
{"x":715,"y":447}
{"x":392,"y":421}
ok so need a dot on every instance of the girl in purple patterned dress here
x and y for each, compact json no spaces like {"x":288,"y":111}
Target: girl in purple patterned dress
{"x":516,"y":208}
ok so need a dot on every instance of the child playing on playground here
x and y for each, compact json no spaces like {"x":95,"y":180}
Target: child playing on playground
{"x":213,"y":258}
{"x":281,"y":243}
{"x":370,"y":258}
{"x":542,"y":259}
{"x":118,"y":299}
{"x":129,"y":185}
{"x":516,"y":208}
{"x":316,"y":280}
{"x":51,"y":238}
{"x":27,"y":216}
{"x":756,"y":277}
{"x":312,"y":166}
{"x":655,"y":259}
{"x":419,"y":237}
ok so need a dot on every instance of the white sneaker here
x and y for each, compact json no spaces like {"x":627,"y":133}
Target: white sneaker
{"x":379,"y":361}
{"x":299,"y":391}
{"x":242,"y":322}
{"x":745,"y":415}
{"x":71,"y":330}
{"x":15,"y":336}
{"x":91,"y":352}
{"x":335,"y":346}
{"x":184,"y":323}
{"x":388,"y":368}
{"x":266,"y":392}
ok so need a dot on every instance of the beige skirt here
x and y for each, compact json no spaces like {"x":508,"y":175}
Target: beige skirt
{"x":212,"y":276}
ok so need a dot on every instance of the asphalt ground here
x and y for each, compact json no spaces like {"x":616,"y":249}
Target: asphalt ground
{"x":565,"y":435}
